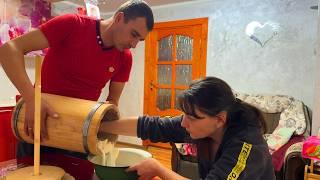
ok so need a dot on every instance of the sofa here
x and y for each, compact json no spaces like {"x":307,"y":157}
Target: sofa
{"x":279,"y":111}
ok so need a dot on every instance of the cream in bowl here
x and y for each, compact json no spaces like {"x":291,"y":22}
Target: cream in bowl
{"x":126,"y":157}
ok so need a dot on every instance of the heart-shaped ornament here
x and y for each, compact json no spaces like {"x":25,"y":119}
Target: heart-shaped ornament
{"x":262,"y":33}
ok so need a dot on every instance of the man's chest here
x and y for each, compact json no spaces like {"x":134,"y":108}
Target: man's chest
{"x":85,"y":63}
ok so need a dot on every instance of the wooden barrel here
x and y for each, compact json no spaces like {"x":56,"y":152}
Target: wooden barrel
{"x":77,"y":127}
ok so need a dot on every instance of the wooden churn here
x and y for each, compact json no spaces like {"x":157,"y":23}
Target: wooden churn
{"x":76,"y":128}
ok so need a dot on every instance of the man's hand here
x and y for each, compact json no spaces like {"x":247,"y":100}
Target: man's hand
{"x":46,"y":111}
{"x":147,"y":169}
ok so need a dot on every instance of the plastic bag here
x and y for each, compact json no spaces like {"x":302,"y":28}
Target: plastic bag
{"x":311,"y":148}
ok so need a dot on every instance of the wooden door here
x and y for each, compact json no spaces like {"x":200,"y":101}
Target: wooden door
{"x":175,"y":55}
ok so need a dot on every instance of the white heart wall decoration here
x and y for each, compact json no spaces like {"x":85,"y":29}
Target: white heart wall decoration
{"x":262,"y":33}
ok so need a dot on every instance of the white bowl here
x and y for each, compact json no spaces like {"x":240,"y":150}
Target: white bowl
{"x":126,"y":157}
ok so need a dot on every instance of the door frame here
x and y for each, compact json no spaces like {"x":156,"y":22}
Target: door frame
{"x":150,"y":51}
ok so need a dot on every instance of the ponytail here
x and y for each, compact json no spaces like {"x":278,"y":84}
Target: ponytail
{"x":242,"y":112}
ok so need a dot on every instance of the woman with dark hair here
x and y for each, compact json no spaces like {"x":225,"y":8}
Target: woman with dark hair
{"x":226,"y":131}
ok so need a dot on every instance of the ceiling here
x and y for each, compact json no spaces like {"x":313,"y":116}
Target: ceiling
{"x":107,"y":6}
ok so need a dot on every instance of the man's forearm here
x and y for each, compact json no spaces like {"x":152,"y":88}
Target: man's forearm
{"x":127,"y":126}
{"x":12,"y":61}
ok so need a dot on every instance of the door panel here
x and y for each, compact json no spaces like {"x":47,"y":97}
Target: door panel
{"x":175,"y":55}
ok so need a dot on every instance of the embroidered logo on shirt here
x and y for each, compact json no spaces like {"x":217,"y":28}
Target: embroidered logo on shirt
{"x":242,"y":161}
{"x":111,"y":69}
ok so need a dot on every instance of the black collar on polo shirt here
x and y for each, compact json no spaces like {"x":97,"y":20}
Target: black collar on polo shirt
{"x":99,"y":39}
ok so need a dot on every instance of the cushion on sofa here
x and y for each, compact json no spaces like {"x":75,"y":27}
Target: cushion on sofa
{"x":292,"y":118}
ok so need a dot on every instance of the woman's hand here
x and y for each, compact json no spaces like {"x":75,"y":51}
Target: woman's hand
{"x":147,"y":169}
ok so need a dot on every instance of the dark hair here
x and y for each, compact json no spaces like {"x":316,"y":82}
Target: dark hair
{"x":212,"y":95}
{"x":137,"y":8}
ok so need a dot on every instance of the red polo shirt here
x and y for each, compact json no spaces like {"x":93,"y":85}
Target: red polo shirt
{"x":77,"y":65}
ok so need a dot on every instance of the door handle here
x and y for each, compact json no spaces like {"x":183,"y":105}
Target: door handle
{"x":151,"y":85}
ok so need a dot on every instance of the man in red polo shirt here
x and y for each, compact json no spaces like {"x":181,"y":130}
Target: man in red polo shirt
{"x":84,"y":54}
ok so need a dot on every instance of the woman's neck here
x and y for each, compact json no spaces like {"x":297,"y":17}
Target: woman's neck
{"x":216,"y":141}
{"x":217,"y":136}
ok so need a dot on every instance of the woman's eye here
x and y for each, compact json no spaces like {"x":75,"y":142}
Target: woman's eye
{"x":191,"y":118}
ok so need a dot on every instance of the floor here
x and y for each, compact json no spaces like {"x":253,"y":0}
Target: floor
{"x":162,"y":155}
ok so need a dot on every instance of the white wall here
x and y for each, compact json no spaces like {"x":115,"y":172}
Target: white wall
{"x":7,"y":91}
{"x":316,"y":111}
{"x":286,"y":65}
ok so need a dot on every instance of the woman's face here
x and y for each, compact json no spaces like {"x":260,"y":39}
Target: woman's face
{"x":201,"y":127}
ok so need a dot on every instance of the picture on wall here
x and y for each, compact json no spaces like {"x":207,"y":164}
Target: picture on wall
{"x":20,"y":16}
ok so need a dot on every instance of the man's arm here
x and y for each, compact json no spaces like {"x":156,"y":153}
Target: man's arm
{"x":115,"y":90}
{"x":12,"y":60}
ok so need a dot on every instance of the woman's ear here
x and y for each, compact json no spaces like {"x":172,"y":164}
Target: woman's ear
{"x":222,"y":118}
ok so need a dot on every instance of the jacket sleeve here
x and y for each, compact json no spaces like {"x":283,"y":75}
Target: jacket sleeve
{"x":158,"y":129}
{"x":242,"y":161}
